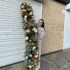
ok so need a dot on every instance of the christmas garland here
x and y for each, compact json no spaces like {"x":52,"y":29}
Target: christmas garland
{"x":31,"y":33}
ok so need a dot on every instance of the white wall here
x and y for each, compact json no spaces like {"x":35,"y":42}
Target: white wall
{"x":12,"y":39}
{"x":67,"y":29}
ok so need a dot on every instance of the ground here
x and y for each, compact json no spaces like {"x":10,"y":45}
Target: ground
{"x":56,"y":61}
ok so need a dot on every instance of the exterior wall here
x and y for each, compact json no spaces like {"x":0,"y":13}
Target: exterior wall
{"x":54,"y":25}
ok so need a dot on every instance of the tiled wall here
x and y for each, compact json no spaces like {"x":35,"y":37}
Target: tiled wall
{"x":54,"y":24}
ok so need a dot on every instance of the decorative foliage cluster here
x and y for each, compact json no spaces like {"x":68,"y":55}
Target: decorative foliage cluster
{"x":31,"y":33}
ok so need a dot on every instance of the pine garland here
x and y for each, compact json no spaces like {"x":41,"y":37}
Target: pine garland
{"x":31,"y":32}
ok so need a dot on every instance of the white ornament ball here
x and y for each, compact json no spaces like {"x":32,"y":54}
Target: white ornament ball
{"x":34,"y":48}
{"x":27,"y":38}
{"x":25,"y":17}
{"x":30,"y":66}
{"x":26,"y":57}
{"x":30,"y":13}
{"x":35,"y":30}
{"x":30,"y":55}
{"x":22,"y":6}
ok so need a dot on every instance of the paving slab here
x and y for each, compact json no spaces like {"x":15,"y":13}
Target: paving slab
{"x":56,"y":61}
{"x":46,"y":65}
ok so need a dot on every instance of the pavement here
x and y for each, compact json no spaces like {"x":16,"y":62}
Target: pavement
{"x":56,"y":61}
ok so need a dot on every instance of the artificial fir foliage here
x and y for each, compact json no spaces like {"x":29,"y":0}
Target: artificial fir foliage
{"x":31,"y":32}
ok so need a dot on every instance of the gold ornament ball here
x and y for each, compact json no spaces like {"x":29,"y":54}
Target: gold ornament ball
{"x":37,"y":52}
{"x":33,"y":65}
{"x":27,"y":31}
{"x":33,"y":43}
{"x":36,"y":56}
{"x":24,"y":10}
